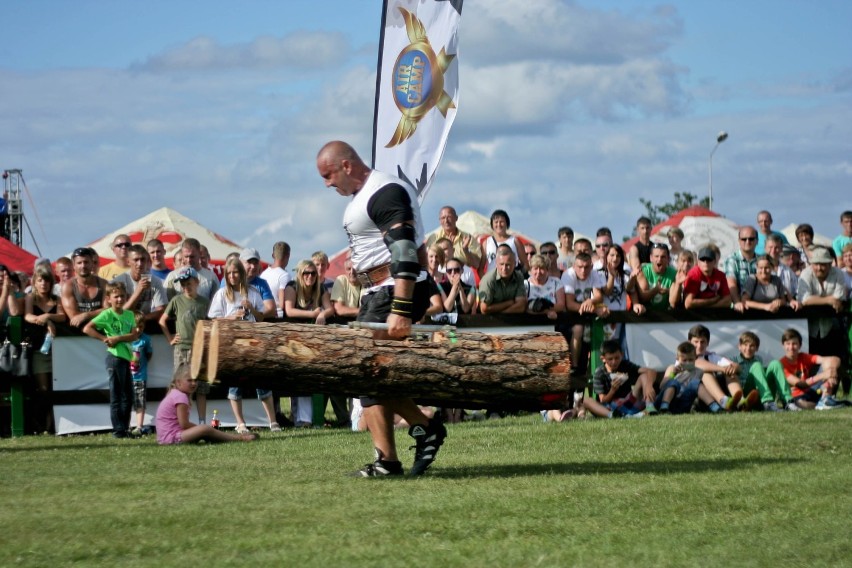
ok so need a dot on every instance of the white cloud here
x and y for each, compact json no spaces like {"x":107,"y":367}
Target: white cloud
{"x":300,"y":50}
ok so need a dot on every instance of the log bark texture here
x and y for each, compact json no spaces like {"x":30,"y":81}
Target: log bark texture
{"x":524,"y":370}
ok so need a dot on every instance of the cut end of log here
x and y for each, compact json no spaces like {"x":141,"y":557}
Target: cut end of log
{"x":198,"y":358}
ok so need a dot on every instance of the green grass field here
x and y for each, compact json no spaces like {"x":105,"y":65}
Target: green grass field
{"x":747,"y":489}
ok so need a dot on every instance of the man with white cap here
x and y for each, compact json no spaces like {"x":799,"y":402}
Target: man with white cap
{"x":822,"y":284}
{"x":251,"y":262}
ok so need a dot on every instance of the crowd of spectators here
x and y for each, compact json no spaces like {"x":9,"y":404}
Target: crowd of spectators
{"x":489,"y":274}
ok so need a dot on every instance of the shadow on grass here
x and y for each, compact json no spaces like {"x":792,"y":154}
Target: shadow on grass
{"x":608,"y":468}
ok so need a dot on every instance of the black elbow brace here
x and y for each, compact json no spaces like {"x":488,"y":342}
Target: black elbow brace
{"x":404,"y":261}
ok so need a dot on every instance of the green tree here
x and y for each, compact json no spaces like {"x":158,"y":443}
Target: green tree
{"x":659,"y":213}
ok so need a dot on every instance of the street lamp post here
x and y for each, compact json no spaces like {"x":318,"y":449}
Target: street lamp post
{"x":721,"y":137}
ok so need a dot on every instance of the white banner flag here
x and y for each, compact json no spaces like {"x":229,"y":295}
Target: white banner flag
{"x":417,"y":88}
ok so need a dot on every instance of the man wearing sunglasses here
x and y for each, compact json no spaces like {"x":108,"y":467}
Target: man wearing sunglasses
{"x":83,"y":296}
{"x":120,"y":249}
{"x":742,"y":264}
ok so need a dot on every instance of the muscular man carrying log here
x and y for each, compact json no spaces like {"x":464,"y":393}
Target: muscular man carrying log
{"x":385,"y":228}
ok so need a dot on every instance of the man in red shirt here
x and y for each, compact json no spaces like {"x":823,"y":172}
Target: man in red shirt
{"x":705,"y":285}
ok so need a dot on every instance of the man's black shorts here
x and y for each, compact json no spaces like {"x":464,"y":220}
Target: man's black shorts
{"x":375,"y":307}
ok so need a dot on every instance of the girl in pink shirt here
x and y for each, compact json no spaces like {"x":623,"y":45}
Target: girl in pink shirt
{"x":173,"y":425}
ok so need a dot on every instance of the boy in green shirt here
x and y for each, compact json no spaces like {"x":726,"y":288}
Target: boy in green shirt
{"x":116,"y":327}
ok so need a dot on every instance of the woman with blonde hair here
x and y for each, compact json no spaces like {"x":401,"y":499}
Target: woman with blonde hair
{"x":236,"y":300}
{"x":42,"y":310}
{"x":305,"y":297}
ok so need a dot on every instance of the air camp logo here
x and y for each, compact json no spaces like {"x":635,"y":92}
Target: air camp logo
{"x":418,"y":80}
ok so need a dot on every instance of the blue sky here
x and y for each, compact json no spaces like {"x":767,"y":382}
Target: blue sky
{"x":569,"y":112}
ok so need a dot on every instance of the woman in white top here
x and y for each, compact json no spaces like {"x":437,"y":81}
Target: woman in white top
{"x":236,"y":300}
{"x":500,"y":236}
{"x":545,"y":293}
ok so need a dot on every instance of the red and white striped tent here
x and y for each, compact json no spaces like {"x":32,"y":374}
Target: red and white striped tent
{"x":700,"y":226}
{"x":171,"y":228}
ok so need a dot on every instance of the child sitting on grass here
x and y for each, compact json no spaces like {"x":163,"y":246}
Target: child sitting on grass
{"x":753,"y":377}
{"x":714,"y":364}
{"x":809,"y":390}
{"x":622,"y":387}
{"x":682,"y":382}
{"x":173,"y":425}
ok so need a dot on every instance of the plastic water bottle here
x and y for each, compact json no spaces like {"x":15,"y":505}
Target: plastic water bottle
{"x":48,"y":343}
{"x":215,"y":421}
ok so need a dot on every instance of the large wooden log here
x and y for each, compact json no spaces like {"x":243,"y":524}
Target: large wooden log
{"x":529,"y":370}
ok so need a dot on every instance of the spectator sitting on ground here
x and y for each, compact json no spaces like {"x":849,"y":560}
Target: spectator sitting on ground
{"x":502,"y":290}
{"x":173,"y":425}
{"x":789,"y":279}
{"x":681,"y":382}
{"x":157,"y":252}
{"x":565,"y":238}
{"x":764,"y":225}
{"x":500,"y":236}
{"x":622,"y":385}
{"x":740,"y":265}
{"x":845,"y":238}
{"x":146,"y":292}
{"x":120,"y":247}
{"x":764,"y":290}
{"x":712,"y":364}
{"x":706,"y":286}
{"x":753,"y":379}
{"x":640,"y":252}
{"x":656,"y":279}
{"x":545,"y":293}
{"x":809,"y":389}
{"x":276,"y":275}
